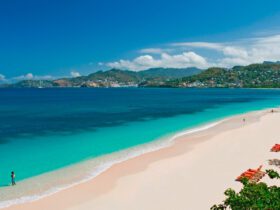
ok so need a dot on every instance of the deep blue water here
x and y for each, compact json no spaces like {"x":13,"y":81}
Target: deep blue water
{"x":46,"y":129}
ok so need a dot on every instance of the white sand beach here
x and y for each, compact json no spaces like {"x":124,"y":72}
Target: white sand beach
{"x":192,"y":174}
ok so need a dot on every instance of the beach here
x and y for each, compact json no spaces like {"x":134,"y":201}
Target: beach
{"x":139,"y":105}
{"x":192,"y":173}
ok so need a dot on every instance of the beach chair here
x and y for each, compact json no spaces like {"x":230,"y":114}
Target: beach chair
{"x":275,"y":162}
{"x":275,"y":148}
{"x":253,"y":175}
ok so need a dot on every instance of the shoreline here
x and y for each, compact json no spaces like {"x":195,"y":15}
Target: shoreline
{"x":189,"y":137}
{"x":129,"y":154}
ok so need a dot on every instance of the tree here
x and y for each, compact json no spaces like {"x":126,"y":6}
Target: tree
{"x":253,"y":196}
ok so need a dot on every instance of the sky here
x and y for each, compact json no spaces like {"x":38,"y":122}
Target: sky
{"x":45,"y":39}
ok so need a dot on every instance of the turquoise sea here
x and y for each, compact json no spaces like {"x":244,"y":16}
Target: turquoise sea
{"x":43,"y":130}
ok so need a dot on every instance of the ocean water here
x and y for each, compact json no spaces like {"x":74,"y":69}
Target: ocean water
{"x":43,"y":130}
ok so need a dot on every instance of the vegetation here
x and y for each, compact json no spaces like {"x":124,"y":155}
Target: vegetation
{"x":33,"y":84}
{"x":169,"y":73}
{"x":253,"y":196}
{"x":266,"y":75}
{"x":114,"y":78}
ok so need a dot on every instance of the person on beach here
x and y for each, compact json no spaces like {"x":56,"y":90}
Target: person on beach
{"x":13,"y":176}
{"x":244,"y":119}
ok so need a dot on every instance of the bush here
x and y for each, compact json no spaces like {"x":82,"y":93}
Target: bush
{"x":253,"y":196}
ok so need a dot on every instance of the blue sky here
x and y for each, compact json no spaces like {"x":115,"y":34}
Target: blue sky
{"x":52,"y":38}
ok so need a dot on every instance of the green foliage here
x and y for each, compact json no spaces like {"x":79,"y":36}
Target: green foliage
{"x":150,"y":77}
{"x":273,"y":174}
{"x":156,"y":77}
{"x":253,"y":196}
{"x":265,"y":75}
{"x":169,"y":73}
{"x":33,"y":84}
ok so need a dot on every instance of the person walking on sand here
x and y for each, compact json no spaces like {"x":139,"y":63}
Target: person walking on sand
{"x":13,"y":176}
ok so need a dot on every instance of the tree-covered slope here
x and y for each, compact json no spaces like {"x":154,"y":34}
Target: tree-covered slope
{"x":114,"y":78}
{"x":266,"y":75}
{"x":251,"y":76}
{"x":169,"y":72}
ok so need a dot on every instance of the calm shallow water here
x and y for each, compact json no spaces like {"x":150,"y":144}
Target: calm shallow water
{"x":46,"y":129}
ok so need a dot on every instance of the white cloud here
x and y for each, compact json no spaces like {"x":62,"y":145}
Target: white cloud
{"x":226,"y":48}
{"x":182,"y":60}
{"x":208,"y":45}
{"x":75,"y":74}
{"x":27,"y":76}
{"x":234,"y":51}
{"x":241,"y":52}
{"x":2,"y":77}
{"x":30,"y":76}
{"x":154,"y":50}
{"x":205,"y":54}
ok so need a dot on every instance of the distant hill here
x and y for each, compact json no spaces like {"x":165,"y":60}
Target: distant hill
{"x":271,"y":62}
{"x":266,"y":75}
{"x":31,"y":84}
{"x":169,"y":72}
{"x":114,"y":78}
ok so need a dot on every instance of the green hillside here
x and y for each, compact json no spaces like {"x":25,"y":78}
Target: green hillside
{"x":114,"y":78}
{"x":169,"y":72}
{"x":265,"y":75}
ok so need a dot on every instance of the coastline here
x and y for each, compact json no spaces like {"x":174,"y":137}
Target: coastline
{"x":106,"y":182}
{"x":97,"y":166}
